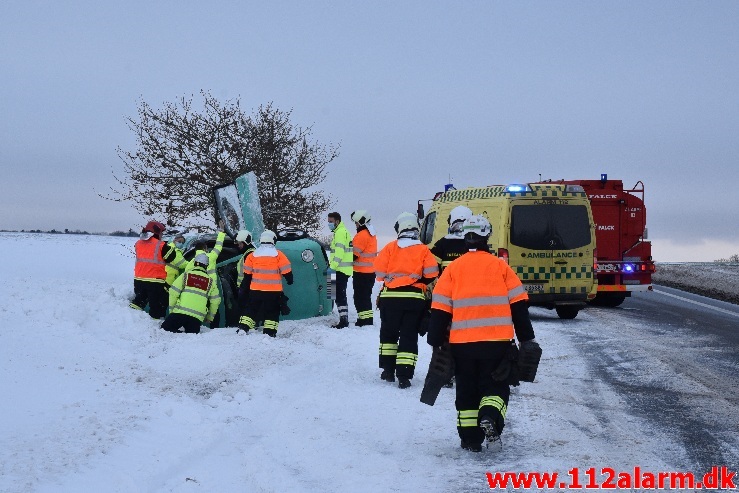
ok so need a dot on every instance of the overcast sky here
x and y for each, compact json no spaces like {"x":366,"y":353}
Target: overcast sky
{"x":414,"y":91}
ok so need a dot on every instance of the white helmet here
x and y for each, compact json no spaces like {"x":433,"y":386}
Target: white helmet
{"x":243,"y":235}
{"x":406,"y":222}
{"x":268,"y":237}
{"x":459,"y":213}
{"x":201,"y":259}
{"x":361,"y":217}
{"x":477,"y":226}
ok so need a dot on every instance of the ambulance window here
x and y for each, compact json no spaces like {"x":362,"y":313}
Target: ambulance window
{"x":427,"y":231}
{"x":550,"y":227}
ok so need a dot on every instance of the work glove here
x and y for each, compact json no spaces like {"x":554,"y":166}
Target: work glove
{"x":528,"y":360}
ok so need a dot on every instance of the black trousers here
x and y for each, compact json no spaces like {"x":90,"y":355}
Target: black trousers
{"x":400,"y":318}
{"x":263,"y":305}
{"x":342,"y":305}
{"x":152,"y":293}
{"x":363,"y":284}
{"x":477,"y":393}
{"x":176,"y":321}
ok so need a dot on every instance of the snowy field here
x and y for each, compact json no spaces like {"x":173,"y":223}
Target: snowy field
{"x":715,"y":280}
{"x":96,"y":398}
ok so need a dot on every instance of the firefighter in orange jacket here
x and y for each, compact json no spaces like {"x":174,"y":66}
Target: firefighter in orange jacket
{"x":149,"y":273}
{"x":406,"y":267}
{"x":263,"y":273}
{"x":365,"y":252}
{"x":484,"y":301}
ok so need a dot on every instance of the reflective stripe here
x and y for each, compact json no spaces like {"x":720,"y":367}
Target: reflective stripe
{"x":440,"y":298}
{"x":363,"y":264}
{"x":266,"y":281}
{"x":340,"y":245}
{"x":176,"y":289}
{"x":284,"y":269}
{"x":345,"y":264}
{"x":134,"y":306}
{"x":481,"y":322}
{"x":404,"y":358}
{"x":265,"y":271}
{"x":496,"y":402}
{"x":516,"y":292}
{"x":149,"y":261}
{"x":365,"y":314}
{"x":360,"y":253}
{"x":179,"y":308}
{"x":402,"y":294}
{"x":248,"y":321}
{"x":180,"y":264}
{"x":388,"y":349}
{"x":480,"y":301}
{"x":467,"y":418}
{"x":198,"y":292}
{"x":150,"y":279}
{"x":431,"y":270}
{"x":380,"y":274}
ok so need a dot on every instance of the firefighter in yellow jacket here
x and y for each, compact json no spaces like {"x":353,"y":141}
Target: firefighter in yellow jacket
{"x":364,"y":247}
{"x":193,"y":299}
{"x":341,"y":261}
{"x":477,"y":305}
{"x":263,"y":273}
{"x":405,"y":267}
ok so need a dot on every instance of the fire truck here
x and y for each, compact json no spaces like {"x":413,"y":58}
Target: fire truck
{"x":624,"y":255}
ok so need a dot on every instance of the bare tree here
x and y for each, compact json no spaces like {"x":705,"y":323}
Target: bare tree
{"x":182,"y":153}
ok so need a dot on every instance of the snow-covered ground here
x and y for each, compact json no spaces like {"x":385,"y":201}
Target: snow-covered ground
{"x":715,"y":280}
{"x":95,"y":397}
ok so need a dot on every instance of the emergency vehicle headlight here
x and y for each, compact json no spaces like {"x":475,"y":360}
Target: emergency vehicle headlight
{"x":574,"y":188}
{"x":517,"y":188}
{"x":307,"y":255}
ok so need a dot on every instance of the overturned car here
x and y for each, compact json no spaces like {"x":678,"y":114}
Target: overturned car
{"x":237,"y":204}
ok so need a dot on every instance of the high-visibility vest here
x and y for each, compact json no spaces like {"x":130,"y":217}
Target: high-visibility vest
{"x":478,"y":289}
{"x":266,"y":272}
{"x":448,"y":249}
{"x":195,"y":293}
{"x":365,"y":251}
{"x":175,"y":268}
{"x":399,"y":267}
{"x":149,"y":262}
{"x":342,"y":256}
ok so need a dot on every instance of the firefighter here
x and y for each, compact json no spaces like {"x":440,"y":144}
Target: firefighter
{"x":193,"y":299}
{"x":452,"y":246}
{"x":263,"y":273}
{"x":149,"y":273}
{"x":178,"y":265}
{"x":365,"y":252}
{"x":341,"y":261}
{"x":405,"y":267}
{"x":484,"y":301}
{"x":245,"y":246}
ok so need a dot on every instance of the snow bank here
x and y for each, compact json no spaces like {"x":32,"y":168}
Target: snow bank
{"x":95,"y":397}
{"x":715,"y":280}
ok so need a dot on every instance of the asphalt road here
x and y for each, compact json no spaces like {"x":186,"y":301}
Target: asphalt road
{"x":674,"y":359}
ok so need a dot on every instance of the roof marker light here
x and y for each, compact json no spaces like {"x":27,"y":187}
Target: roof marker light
{"x":517,"y":188}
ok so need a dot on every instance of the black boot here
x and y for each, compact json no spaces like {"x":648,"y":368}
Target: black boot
{"x":364,"y":321}
{"x":492,"y":435}
{"x":388,"y":375}
{"x":343,"y":323}
{"x":404,"y":383}
{"x":472,"y":447}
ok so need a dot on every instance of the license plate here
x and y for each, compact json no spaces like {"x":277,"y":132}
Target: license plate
{"x":533,"y":287}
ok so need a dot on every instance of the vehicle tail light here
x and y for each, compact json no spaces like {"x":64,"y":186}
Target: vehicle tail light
{"x":595,"y":260}
{"x":503,"y":254}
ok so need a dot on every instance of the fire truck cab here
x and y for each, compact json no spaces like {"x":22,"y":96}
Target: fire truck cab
{"x":624,"y":255}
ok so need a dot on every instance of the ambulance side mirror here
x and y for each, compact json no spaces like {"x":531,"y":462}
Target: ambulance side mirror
{"x":421,"y":213}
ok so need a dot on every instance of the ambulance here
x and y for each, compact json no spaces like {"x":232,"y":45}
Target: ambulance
{"x":544,"y":231}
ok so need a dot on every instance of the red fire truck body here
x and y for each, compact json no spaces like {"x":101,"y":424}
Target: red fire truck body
{"x":624,"y":255}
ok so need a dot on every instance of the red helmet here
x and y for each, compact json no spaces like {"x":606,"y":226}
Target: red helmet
{"x":154,"y":227}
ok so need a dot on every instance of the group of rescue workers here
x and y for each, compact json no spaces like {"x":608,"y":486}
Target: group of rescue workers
{"x":465,"y":299}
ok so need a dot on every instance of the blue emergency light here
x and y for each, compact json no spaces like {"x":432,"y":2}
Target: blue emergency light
{"x":604,"y":177}
{"x":628,"y":268}
{"x":516,"y":188}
